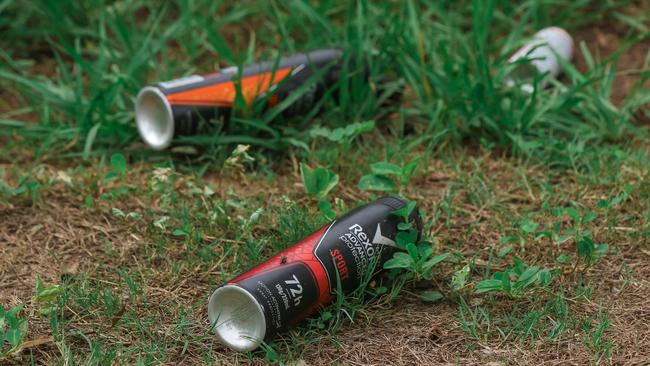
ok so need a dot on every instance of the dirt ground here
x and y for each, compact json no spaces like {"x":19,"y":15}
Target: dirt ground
{"x":58,"y":238}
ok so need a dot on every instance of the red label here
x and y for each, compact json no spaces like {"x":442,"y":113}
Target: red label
{"x":302,"y":252}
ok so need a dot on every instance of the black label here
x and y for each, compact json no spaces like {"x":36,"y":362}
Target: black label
{"x":286,"y":294}
{"x":358,"y":240}
{"x":191,"y":120}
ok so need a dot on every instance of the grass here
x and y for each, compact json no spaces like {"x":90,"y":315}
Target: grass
{"x":536,"y":206}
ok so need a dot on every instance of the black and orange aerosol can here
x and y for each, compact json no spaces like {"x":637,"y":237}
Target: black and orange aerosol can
{"x":295,"y":283}
{"x":177,"y":107}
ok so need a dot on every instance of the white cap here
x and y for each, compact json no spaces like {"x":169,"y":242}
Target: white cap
{"x":153,"y":115}
{"x":543,"y":51}
{"x":237,"y":317}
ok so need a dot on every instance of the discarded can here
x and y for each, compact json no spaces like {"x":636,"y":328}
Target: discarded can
{"x":293,"y":284}
{"x":177,"y":107}
{"x":543,"y":50}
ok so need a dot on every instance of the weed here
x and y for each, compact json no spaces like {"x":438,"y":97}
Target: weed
{"x":460,"y":278}
{"x":318,"y":182}
{"x":344,"y":139}
{"x":29,"y":185}
{"x":343,"y":135}
{"x":45,"y":298}
{"x":26,"y":186}
{"x":527,"y":228}
{"x":516,"y":280}
{"x":124,"y":215}
{"x":595,"y":337}
{"x":585,"y":247}
{"x":418,"y":260}
{"x":473,"y":320}
{"x":13,"y":330}
{"x":161,"y":187}
{"x":381,"y":173}
{"x":238,"y":159}
{"x":118,"y":166}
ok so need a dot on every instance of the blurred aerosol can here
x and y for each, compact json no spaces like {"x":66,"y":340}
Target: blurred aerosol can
{"x":543,"y":51}
{"x":177,"y":107}
{"x":278,"y":293}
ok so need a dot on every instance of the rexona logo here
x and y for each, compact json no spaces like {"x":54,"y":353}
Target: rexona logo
{"x":377,"y":239}
{"x":359,"y":238}
{"x":382,"y":240}
{"x":349,"y":258}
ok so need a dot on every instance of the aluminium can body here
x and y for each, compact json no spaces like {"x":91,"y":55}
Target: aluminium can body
{"x":178,"y":107}
{"x":290,"y":286}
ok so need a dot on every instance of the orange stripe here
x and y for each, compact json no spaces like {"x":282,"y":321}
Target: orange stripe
{"x":223,"y":94}
{"x":199,"y":103}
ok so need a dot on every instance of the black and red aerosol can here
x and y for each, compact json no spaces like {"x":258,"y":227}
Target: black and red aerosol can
{"x":178,"y":107}
{"x":295,"y":283}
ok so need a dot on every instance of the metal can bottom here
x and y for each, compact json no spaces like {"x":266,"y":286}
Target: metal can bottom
{"x":154,"y":117}
{"x":237,"y":318}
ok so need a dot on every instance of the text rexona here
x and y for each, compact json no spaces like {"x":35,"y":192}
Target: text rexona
{"x":361,"y":248}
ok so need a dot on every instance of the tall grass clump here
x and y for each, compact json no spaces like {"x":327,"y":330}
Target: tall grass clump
{"x":75,"y":68}
{"x":456,"y":66}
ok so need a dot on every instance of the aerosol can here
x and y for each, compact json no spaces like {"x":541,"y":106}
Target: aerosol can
{"x":177,"y":107}
{"x":293,"y":284}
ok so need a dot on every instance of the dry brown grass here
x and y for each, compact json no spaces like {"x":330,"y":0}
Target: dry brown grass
{"x":57,"y":237}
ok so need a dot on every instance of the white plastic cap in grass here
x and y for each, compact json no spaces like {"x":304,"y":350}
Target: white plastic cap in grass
{"x":543,"y":51}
